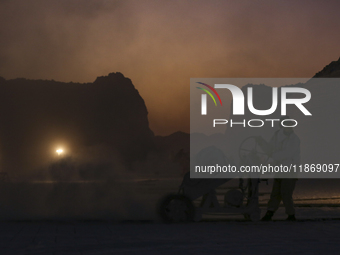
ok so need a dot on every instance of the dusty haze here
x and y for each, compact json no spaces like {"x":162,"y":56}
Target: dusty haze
{"x":160,"y":45}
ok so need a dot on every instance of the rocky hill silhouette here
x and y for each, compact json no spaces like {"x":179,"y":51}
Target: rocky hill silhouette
{"x":109,"y":114}
{"x":37,"y":115}
{"x":332,"y":70}
{"x":173,"y":142}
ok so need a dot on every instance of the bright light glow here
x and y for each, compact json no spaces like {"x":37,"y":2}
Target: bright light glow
{"x":59,"y":151}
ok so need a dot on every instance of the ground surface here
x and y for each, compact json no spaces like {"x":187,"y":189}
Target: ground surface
{"x":223,"y":237}
{"x":134,"y":229}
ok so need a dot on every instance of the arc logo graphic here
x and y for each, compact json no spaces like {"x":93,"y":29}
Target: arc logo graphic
{"x":204,"y":97}
{"x":238,"y":99}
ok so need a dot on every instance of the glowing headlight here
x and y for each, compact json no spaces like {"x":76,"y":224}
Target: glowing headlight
{"x":59,"y":151}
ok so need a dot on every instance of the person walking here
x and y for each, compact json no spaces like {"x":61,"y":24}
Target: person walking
{"x":284,"y":149}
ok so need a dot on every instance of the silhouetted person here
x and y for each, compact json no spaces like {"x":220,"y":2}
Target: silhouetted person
{"x":284,"y":149}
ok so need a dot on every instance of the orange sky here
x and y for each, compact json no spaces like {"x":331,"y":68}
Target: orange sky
{"x":160,"y":45}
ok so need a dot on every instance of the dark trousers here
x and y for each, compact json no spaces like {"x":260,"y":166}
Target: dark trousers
{"x":282,"y":191}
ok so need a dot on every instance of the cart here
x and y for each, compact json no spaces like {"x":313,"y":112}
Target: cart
{"x":243,"y":200}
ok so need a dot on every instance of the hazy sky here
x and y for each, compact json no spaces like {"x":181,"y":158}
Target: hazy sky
{"x":160,"y":45}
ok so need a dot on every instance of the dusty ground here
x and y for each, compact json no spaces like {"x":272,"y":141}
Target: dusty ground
{"x":25,"y":227}
{"x":223,"y":237}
